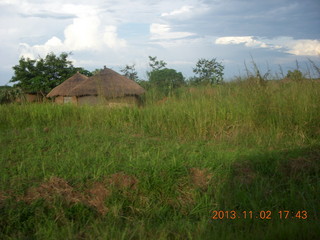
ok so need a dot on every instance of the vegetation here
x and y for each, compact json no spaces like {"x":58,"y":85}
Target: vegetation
{"x":166,"y":80}
{"x":130,"y":72}
{"x":43,"y":74}
{"x":9,"y":94}
{"x":160,"y":171}
{"x":295,"y":75}
{"x":156,"y":64}
{"x":208,"y":72}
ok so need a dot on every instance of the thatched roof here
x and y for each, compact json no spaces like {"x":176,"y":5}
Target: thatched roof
{"x":65,"y":88}
{"x":107,"y":83}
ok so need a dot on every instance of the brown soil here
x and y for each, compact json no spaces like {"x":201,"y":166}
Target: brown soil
{"x":122,"y":181}
{"x":200,"y":178}
{"x":50,"y":190}
{"x":94,"y":196}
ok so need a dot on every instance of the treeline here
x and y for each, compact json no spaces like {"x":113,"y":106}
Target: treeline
{"x":42,"y":75}
{"x":163,"y":79}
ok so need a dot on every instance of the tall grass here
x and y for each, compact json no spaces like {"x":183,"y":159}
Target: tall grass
{"x":158,"y":172}
{"x":226,"y":112}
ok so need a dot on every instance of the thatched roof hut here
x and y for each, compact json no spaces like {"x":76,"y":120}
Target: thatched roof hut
{"x":107,"y":87}
{"x":64,"y":89}
{"x":108,"y":83}
{"x":62,"y":93}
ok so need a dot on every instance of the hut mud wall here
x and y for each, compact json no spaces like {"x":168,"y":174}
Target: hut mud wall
{"x":64,"y":99}
{"x":29,"y":98}
{"x":112,"y":102}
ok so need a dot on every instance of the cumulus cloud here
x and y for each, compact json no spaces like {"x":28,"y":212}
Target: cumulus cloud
{"x":302,"y":47}
{"x":111,"y":39}
{"x":248,"y":41}
{"x":163,"y":32}
{"x":85,"y":33}
{"x":52,"y":45}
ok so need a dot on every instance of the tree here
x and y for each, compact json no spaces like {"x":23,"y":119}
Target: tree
{"x":42,"y":75}
{"x":9,"y":94}
{"x":130,"y":72}
{"x":208,"y":71}
{"x":296,"y":75}
{"x":166,"y":79}
{"x":156,"y":64}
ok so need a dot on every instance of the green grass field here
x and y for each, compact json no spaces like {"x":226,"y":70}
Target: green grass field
{"x":160,"y":172}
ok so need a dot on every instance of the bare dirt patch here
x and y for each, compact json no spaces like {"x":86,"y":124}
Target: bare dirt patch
{"x":94,"y":195}
{"x":122,"y":181}
{"x":200,"y":178}
{"x":50,"y":190}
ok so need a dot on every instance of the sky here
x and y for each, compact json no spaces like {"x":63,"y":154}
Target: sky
{"x":115,"y":33}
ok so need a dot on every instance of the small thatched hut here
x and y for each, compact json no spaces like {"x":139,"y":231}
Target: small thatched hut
{"x":106,"y":87}
{"x":63,"y":92}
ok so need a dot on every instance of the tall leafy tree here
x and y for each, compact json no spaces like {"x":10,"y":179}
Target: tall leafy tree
{"x":208,"y":71}
{"x":130,"y":72}
{"x":42,"y":75}
{"x":166,"y":79}
{"x":156,"y":64}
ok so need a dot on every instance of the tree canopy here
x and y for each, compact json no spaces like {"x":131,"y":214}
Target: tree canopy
{"x":208,"y":71}
{"x":130,"y":72}
{"x":295,"y":75}
{"x":43,"y":74}
{"x":156,"y":64}
{"x":166,"y":79}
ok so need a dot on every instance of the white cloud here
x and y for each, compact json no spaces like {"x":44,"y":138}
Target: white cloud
{"x":163,"y":32}
{"x":304,"y":47}
{"x":301,"y":47}
{"x":248,"y":41}
{"x":52,"y":45}
{"x":182,"y":10}
{"x":85,"y":33}
{"x":186,"y":11}
{"x":111,"y":38}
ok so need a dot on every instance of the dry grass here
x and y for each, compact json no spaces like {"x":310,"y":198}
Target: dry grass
{"x":122,"y":181}
{"x":200,"y":178}
{"x":50,"y":190}
{"x":94,"y":196}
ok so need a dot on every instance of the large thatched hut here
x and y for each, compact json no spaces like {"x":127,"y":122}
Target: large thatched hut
{"x":107,"y":87}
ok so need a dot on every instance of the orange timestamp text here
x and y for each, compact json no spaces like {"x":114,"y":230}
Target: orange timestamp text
{"x":264,"y":214}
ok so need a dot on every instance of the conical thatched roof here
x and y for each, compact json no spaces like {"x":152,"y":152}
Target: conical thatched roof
{"x":65,"y":88}
{"x":107,"y":83}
